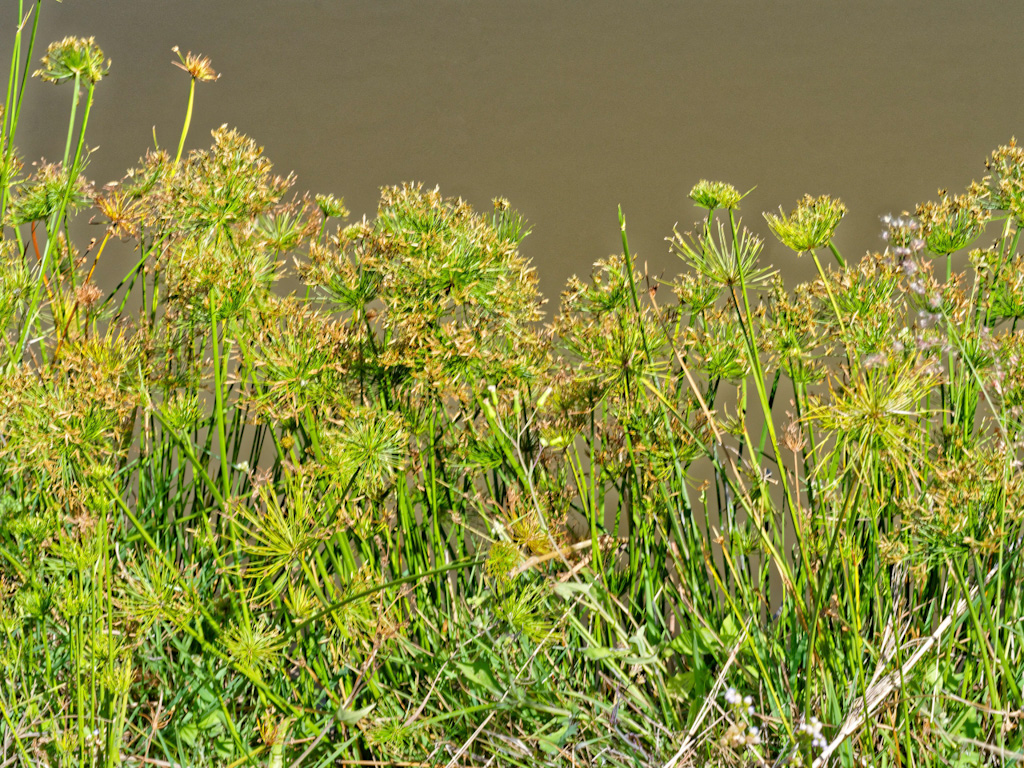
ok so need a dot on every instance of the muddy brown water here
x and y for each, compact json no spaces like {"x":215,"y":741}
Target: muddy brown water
{"x":566,"y":108}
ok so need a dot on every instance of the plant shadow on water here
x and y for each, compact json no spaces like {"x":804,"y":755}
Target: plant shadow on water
{"x":394,"y":517}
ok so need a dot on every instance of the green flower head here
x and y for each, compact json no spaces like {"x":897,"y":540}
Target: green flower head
{"x":71,"y":58}
{"x":952,"y":223}
{"x":713,"y":195}
{"x":810,"y":225}
{"x":1006,"y":180}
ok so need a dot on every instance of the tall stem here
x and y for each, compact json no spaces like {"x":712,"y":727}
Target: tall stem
{"x":71,"y":121}
{"x":218,"y":384}
{"x":835,"y":252}
{"x":188,"y":121}
{"x":12,"y":105}
{"x":58,"y":216}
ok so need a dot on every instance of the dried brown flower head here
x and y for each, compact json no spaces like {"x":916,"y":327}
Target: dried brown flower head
{"x":87,"y":295}
{"x":197,"y":66}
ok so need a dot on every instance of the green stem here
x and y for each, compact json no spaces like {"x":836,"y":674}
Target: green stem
{"x":746,"y":323}
{"x":835,"y":252}
{"x":632,"y":286}
{"x":852,"y":494}
{"x":372,"y":590}
{"x":71,"y":122}
{"x":218,"y":391}
{"x":831,"y":297}
{"x":188,"y":121}
{"x":12,"y":105}
{"x":983,"y":644}
{"x":33,"y":313}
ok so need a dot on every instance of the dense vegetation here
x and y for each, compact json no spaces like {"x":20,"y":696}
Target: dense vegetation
{"x":398,"y":518}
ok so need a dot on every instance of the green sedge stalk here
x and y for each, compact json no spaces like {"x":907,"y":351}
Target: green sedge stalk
{"x":188,"y":121}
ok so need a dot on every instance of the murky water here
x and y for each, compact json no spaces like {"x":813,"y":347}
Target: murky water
{"x":566,"y":108}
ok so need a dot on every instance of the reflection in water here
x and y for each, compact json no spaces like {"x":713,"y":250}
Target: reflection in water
{"x":568,"y":108}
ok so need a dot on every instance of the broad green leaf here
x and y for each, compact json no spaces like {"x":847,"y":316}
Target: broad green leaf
{"x":480,"y":673}
{"x":353,"y":716}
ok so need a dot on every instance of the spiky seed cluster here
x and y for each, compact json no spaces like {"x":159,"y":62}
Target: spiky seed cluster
{"x":877,"y":415}
{"x":369,"y":450}
{"x":953,"y":222}
{"x":231,"y":183}
{"x":502,"y":558}
{"x":600,"y":333}
{"x":224,"y":209}
{"x":715,"y":195}
{"x":87,"y":294}
{"x":197,"y":66}
{"x":960,"y":513}
{"x":721,"y":260}
{"x":1007,"y":298}
{"x":73,"y":58}
{"x":16,"y":282}
{"x":307,"y":360}
{"x":285,"y":228}
{"x":870,"y":289}
{"x":696,"y":291}
{"x":280,"y":535}
{"x":720,"y":345}
{"x":153,"y":593}
{"x":59,"y":427}
{"x":524,"y":610}
{"x":122,"y":210}
{"x":810,"y":225}
{"x":793,"y":332}
{"x":182,"y":411}
{"x":331,"y":206}
{"x":254,"y":645}
{"x":459,"y":299}
{"x":42,"y":194}
{"x":1006,"y":179}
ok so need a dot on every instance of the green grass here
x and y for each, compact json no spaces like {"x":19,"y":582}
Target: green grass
{"x":401,"y":518}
